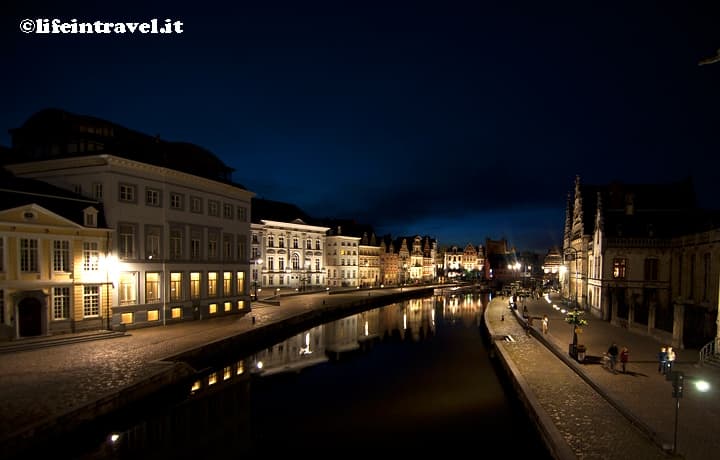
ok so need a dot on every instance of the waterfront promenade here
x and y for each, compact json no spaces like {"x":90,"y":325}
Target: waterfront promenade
{"x":40,"y":384}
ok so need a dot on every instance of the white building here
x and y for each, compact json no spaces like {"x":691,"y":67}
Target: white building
{"x":182,"y":226}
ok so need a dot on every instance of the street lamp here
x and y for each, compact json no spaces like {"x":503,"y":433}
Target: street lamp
{"x":256,"y":275}
{"x":678,"y":381}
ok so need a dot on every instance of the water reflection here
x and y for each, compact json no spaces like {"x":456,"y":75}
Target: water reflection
{"x":412,"y":319}
{"x":410,"y":370}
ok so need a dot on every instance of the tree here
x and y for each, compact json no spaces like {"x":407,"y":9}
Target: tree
{"x":576,"y":320}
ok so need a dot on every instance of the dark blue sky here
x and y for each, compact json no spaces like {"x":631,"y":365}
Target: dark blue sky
{"x":460,"y":120}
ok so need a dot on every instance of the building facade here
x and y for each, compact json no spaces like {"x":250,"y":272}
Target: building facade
{"x":181,"y":227}
{"x":644,"y":257}
{"x":55,"y":263}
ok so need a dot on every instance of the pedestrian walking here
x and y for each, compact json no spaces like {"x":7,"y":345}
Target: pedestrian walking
{"x":545,"y":323}
{"x":662,"y":358}
{"x":670,"y":359}
{"x":613,"y":354}
{"x":624,"y":356}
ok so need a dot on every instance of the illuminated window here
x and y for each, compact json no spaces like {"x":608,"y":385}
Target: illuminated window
{"x":196,"y":386}
{"x":212,"y":284}
{"x":227,"y":372}
{"x":91,"y":255}
{"x":228,"y":306}
{"x":176,"y":286}
{"x":152,"y":287}
{"x":126,"y":318}
{"x":127,"y":292}
{"x":619,"y":268}
{"x":194,"y":285}
{"x":241,"y":304}
{"x":212,"y":308}
{"x":153,"y":315}
{"x":240,"y":368}
{"x":61,"y":303}
{"x":212,"y":378}
{"x":227,"y":283}
{"x":91,"y":301}
{"x":240,"y":285}
{"x":176,"y":313}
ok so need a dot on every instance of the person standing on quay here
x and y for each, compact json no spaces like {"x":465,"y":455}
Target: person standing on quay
{"x":613,"y":354}
{"x":670,"y":360}
{"x":624,"y":356}
{"x":662,"y":358}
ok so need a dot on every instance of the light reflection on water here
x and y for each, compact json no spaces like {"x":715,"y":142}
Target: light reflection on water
{"x":342,"y":373}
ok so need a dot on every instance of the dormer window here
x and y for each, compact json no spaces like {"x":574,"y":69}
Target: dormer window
{"x":90,"y":217}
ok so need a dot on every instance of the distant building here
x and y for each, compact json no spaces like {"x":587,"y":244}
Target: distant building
{"x":286,"y":252}
{"x":457,"y":262}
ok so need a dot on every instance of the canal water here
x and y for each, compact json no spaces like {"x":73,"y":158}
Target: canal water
{"x":413,"y":377}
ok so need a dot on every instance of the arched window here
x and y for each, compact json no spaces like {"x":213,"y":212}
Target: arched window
{"x":295,"y":262}
{"x":271,"y":241}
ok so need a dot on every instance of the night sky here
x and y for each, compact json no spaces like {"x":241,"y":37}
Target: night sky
{"x":458,"y":120}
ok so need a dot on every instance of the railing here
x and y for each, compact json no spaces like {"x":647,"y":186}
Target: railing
{"x":710,"y":349}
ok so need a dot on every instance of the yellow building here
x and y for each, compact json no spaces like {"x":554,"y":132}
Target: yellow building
{"x":54,"y":263}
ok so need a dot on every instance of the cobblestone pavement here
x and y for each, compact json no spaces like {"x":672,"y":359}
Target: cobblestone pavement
{"x":39,"y":384}
{"x":601,"y":414}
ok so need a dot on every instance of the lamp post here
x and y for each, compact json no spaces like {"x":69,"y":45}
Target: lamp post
{"x":678,"y":382}
{"x":256,"y":275}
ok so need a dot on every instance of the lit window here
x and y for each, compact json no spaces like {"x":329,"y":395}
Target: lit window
{"x":212,"y":308}
{"x":153,"y":315}
{"x":176,"y":313}
{"x":126,"y":318}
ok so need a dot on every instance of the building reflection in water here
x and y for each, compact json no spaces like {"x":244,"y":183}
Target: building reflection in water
{"x":223,"y":392}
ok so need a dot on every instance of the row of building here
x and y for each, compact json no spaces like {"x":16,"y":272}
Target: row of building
{"x":105,"y":227}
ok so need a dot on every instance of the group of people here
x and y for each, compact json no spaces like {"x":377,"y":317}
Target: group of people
{"x":666,"y":360}
{"x":613,"y":353}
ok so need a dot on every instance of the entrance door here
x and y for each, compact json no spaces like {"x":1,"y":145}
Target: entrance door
{"x":30,"y":318}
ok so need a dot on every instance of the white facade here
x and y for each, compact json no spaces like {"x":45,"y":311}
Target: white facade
{"x":342,"y":257}
{"x":181,"y":240}
{"x":287,"y":255}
